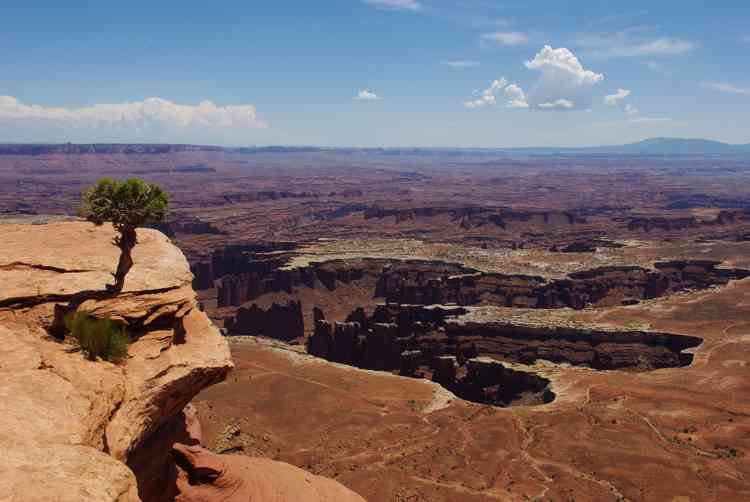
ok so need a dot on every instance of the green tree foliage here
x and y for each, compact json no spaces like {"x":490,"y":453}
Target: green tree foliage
{"x":127,"y":205}
{"x":98,"y":337}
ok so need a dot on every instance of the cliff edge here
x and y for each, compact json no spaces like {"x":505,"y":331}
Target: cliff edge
{"x":78,"y":430}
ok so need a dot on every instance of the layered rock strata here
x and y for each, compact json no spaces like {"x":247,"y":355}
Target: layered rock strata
{"x":235,"y":260}
{"x":436,"y":342}
{"x":434,"y":282}
{"x":81,"y":430}
{"x":280,"y":321}
{"x":477,"y":216}
{"x":603,"y":286}
{"x":438,"y":330}
{"x":95,"y":410}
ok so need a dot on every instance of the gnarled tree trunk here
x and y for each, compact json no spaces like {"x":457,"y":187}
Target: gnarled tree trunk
{"x":126,"y":242}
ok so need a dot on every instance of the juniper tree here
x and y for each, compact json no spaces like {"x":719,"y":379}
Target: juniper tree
{"x":127,"y":205}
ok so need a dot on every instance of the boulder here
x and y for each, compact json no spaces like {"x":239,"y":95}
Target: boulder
{"x":204,"y":476}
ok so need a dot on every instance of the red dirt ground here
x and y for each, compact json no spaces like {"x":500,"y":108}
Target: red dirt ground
{"x":668,"y":435}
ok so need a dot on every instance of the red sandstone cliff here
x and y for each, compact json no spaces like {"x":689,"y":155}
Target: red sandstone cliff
{"x":78,"y":430}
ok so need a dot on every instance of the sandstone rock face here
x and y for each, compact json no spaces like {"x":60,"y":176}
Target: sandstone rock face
{"x":444,"y":370}
{"x":78,"y":430}
{"x":207,"y":477}
{"x":671,"y":224}
{"x":476,"y":216}
{"x":440,"y":343}
{"x":429,"y":284}
{"x":489,"y":381}
{"x":258,"y":276}
{"x":439,"y":330}
{"x":261,"y":278}
{"x":321,"y":342}
{"x":283,"y":322}
{"x":69,"y":425}
{"x":53,"y":411}
{"x":186,"y":225}
{"x":38,"y":472}
{"x":597,"y":348}
{"x":242,"y":262}
{"x":163,"y":375}
{"x":43,"y":262}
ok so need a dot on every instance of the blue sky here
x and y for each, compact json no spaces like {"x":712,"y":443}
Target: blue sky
{"x":466,"y":73}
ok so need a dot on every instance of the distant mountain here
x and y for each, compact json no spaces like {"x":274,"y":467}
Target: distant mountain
{"x":675,"y":146}
{"x":653,"y":146}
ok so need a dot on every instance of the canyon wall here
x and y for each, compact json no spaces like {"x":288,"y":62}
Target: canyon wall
{"x":477,"y":216}
{"x":433,"y":282}
{"x":463,"y":356}
{"x":665,"y":224}
{"x":600,"y":287}
{"x":430,"y":332}
{"x":277,"y":301}
{"x":280,"y":321}
{"x":236,"y":260}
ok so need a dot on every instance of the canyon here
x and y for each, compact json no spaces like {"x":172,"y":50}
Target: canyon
{"x":381,"y":325}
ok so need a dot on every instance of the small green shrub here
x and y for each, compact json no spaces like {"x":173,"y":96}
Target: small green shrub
{"x":98,"y":337}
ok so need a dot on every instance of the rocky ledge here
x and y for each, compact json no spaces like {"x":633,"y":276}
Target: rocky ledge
{"x":78,"y":430}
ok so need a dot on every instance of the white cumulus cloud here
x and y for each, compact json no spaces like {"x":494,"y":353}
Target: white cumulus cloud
{"x":630,"y":109}
{"x":153,"y":119}
{"x":562,"y":64}
{"x":558,"y":103}
{"x":206,"y":113}
{"x":365,"y":95}
{"x":517,"y":98}
{"x":562,"y":77}
{"x":617,"y":97}
{"x":412,"y":5}
{"x":488,"y":97}
{"x":563,"y":83}
{"x":506,"y":38}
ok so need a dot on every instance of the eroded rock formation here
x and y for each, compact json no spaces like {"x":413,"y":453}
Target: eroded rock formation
{"x":54,"y":410}
{"x":477,"y":216}
{"x":239,"y":260}
{"x":208,"y":477}
{"x":602,"y":286}
{"x":421,"y":282}
{"x":269,"y":276}
{"x":80,"y":430}
{"x":490,"y":381}
{"x":112,"y":409}
{"x":665,"y":224}
{"x":436,"y":342}
{"x":280,"y":321}
{"x":186,"y":225}
{"x":599,"y":348}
